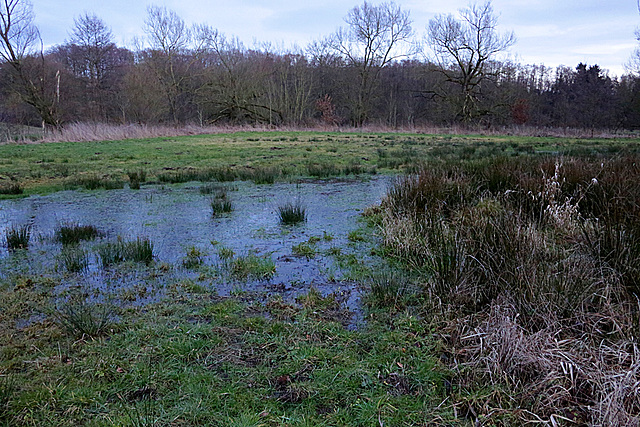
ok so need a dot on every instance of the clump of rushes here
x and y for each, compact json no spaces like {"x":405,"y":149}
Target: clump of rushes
{"x":292,"y":213}
{"x":18,"y":237}
{"x":139,"y":250}
{"x":136,"y":177}
{"x":11,"y":189}
{"x":80,"y":318}
{"x":74,"y":259}
{"x":72,"y":233}
{"x":220,"y":203}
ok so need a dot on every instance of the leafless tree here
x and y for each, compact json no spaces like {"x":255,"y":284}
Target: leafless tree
{"x":465,"y":46}
{"x":374,"y":37}
{"x":169,"y":58}
{"x":18,"y":35}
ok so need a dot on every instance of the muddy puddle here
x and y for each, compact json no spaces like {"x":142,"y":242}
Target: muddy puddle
{"x":178,"y":219}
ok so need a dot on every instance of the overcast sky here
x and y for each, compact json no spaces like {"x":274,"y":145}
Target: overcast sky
{"x":549,"y":32}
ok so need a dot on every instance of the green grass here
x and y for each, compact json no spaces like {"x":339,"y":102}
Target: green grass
{"x":17,"y":237}
{"x":72,"y":233}
{"x":225,"y":157}
{"x":292,"y":213}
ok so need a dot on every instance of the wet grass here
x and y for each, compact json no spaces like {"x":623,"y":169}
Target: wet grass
{"x":292,"y":213}
{"x":72,"y":233}
{"x":17,"y":237}
{"x":41,"y":168}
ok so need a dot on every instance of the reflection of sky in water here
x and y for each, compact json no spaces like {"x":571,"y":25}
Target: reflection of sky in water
{"x":177,"y":217}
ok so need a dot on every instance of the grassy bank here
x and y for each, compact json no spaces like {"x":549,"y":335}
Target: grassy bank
{"x":258,"y":156}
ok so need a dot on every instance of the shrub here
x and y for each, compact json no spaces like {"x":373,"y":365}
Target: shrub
{"x":292,"y":213}
{"x":18,"y":237}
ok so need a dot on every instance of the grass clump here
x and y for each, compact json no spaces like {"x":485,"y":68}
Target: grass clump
{"x":17,"y":237}
{"x":194,"y":258}
{"x":220,"y":206}
{"x":304,"y":249}
{"x":74,"y":259}
{"x":73,"y":233}
{"x":292,"y":213}
{"x":80,"y":318}
{"x":252,"y":266}
{"x":139,"y":250}
{"x":12,"y":189}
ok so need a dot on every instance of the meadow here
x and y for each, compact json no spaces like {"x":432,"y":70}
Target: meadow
{"x":497,"y":281}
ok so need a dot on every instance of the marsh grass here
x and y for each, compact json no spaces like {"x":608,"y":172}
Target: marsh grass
{"x":17,"y":237}
{"x":139,"y":250}
{"x":220,"y":205}
{"x":292,"y":213}
{"x":81,"y":318}
{"x":74,"y":259}
{"x":72,"y":233}
{"x":11,"y":189}
{"x":512,"y":253}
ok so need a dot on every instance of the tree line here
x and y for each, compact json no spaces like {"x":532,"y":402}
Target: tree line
{"x":370,"y":71}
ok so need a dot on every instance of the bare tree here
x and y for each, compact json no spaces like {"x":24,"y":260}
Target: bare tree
{"x":374,"y":37}
{"x":18,"y":34}
{"x":464,"y":48}
{"x":170,"y":40}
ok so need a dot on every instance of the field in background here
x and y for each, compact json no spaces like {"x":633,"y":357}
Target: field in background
{"x":268,"y":156}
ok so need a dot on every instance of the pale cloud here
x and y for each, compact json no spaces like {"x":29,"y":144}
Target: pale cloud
{"x":549,"y":31}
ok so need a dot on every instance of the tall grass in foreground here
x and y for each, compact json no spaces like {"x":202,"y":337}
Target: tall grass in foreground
{"x":533,"y":265}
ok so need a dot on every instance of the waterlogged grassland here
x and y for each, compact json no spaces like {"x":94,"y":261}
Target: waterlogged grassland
{"x":206,"y":360}
{"x":41,"y":168}
{"x":504,"y":292}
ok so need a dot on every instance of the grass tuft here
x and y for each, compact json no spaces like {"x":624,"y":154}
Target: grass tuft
{"x":73,"y":233}
{"x":17,"y":237}
{"x":292,"y":213}
{"x":74,"y":259}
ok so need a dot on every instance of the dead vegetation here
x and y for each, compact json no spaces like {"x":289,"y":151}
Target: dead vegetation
{"x":533,"y":269}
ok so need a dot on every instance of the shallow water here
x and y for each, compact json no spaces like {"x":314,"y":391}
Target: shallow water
{"x":178,"y":217}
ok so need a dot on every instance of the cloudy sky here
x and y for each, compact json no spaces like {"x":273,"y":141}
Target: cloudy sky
{"x":549,"y":32}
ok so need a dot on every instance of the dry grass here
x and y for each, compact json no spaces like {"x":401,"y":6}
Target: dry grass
{"x":534,"y":269}
{"x":82,"y":132}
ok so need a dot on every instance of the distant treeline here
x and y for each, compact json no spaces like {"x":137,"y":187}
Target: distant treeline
{"x":196,"y":75}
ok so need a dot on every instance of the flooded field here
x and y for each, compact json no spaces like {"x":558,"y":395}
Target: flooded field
{"x":247,"y":250}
